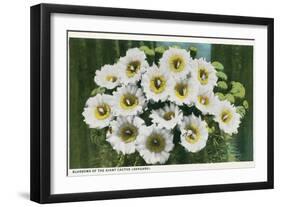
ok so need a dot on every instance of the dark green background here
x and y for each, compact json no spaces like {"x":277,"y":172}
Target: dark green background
{"x":87,"y":150}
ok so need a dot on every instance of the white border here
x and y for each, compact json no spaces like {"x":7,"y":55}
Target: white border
{"x":160,"y":168}
{"x":60,"y":183}
{"x":163,"y":38}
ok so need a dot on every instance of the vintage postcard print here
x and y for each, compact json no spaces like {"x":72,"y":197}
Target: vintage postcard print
{"x":140,"y":103}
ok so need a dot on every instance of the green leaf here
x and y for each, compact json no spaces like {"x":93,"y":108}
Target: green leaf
{"x":220,"y":96}
{"x":144,"y":48}
{"x":211,"y":129}
{"x":147,"y":50}
{"x":221,"y":75}
{"x":245,"y":104}
{"x":98,"y":90}
{"x":230,"y":98}
{"x":241,"y":110}
{"x":150,"y":52}
{"x":217,"y":65}
{"x":193,"y":51}
{"x":222,"y":85}
{"x":160,"y":49}
{"x":237,"y":89}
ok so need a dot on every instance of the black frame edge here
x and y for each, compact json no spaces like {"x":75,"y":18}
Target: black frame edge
{"x":40,"y":103}
{"x":270,"y":103}
{"x":35,"y":25}
{"x":155,"y":14}
{"x":125,"y":194}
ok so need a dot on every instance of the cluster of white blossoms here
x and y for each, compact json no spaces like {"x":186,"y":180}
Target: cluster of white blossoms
{"x":175,"y":82}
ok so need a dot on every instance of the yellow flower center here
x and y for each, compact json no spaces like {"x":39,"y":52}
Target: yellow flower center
{"x":158,"y":84}
{"x":128,"y":133}
{"x":181,"y":90}
{"x":204,"y":100}
{"x":155,"y":143}
{"x":102,"y":111}
{"x":169,"y":115}
{"x":133,"y":68}
{"x":177,"y":63}
{"x":203,"y":76}
{"x":128,"y":101}
{"x":111,"y":78}
{"x":192,"y":134}
{"x":226,"y":116}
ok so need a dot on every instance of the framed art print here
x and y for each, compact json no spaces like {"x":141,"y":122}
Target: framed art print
{"x":133,"y":103}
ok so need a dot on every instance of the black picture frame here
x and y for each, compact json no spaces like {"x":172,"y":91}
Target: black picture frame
{"x":41,"y":99}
